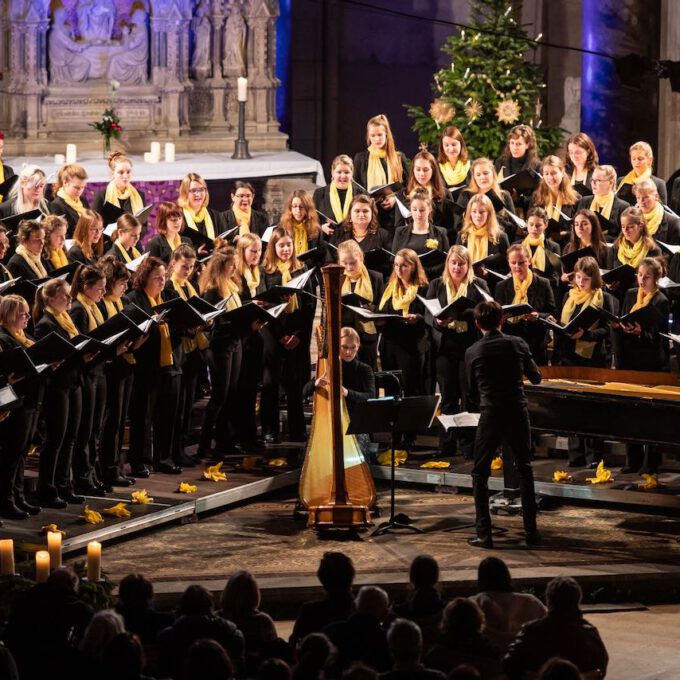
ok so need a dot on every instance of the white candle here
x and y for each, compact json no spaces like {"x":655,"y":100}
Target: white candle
{"x":59,"y":159}
{"x":242,"y":87}
{"x":54,"y":548}
{"x":7,"y":557}
{"x":169,"y":152}
{"x":71,"y":153}
{"x":94,"y":561}
{"x":149,"y":157}
{"x":42,"y":566}
{"x":156,"y":151}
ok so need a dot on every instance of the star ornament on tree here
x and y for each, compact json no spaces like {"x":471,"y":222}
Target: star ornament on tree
{"x":507,"y":111}
{"x":442,"y":112}
{"x":473,"y":110}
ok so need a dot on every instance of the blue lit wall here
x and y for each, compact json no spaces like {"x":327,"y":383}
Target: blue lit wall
{"x":283,"y":38}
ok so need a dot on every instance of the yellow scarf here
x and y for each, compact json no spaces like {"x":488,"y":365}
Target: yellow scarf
{"x":603,"y":204}
{"x":654,"y":218}
{"x":76,"y":204}
{"x":242,"y":219}
{"x":164,"y":330}
{"x":478,"y":243}
{"x":401,"y":300}
{"x":190,"y":217}
{"x":115,"y":197}
{"x":633,"y":178}
{"x":64,"y":320}
{"x":578,"y":297}
{"x":58,"y":258}
{"x":252,"y":277}
{"x":522,"y":288}
{"x":6,"y":272}
{"x":94,"y":316}
{"x":363,"y":288}
{"x":200,"y":341}
{"x":299,"y":237}
{"x":538,"y":257}
{"x":643,"y":299}
{"x":286,"y":276}
{"x":632,"y":255}
{"x":21,"y":337}
{"x":234,"y":298}
{"x":113,"y":305}
{"x":375,"y":175}
{"x":451,"y":296}
{"x":123,"y":252}
{"x":175,"y":243}
{"x":456,"y":175}
{"x":554,"y":210}
{"x":340,"y":211}
{"x":33,"y":261}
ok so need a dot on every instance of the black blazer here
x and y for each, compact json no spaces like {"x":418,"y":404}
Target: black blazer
{"x":506,"y":222}
{"x":413,"y":337}
{"x":7,"y":209}
{"x":649,"y":351}
{"x":613,"y":255}
{"x":564,"y":353}
{"x":588,"y":181}
{"x":245,"y":291}
{"x":499,"y":248}
{"x":297,"y":322}
{"x":69,"y":374}
{"x":322,"y":200}
{"x":361,"y":167}
{"x":99,"y":200}
{"x":349,"y":318}
{"x":626,"y":194}
{"x":224,"y":336}
{"x":19,"y":267}
{"x":159,"y":247}
{"x":259,"y":221}
{"x":402,"y":236}
{"x":618,"y":206}
{"x":449,"y":341}
{"x":75,"y":254}
{"x":443,"y":212}
{"x":219,"y":223}
{"x":552,"y":272}
{"x":80,"y":318}
{"x":669,"y":230}
{"x":381,"y":239}
{"x":59,"y":207}
{"x":30,"y":388}
{"x":357,"y":378}
{"x":115,"y":251}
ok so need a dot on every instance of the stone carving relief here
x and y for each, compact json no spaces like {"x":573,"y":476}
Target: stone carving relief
{"x":234,"y":46}
{"x":201,"y":31}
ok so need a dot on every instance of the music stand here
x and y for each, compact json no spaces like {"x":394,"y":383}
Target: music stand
{"x":394,"y":415}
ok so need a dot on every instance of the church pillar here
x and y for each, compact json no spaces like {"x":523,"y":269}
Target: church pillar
{"x":669,"y":102}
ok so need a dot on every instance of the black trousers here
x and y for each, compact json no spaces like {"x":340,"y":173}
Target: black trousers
{"x":248,"y":379}
{"x":224,"y":365}
{"x":368,"y":352}
{"x":191,"y":371}
{"x":61,"y":408}
{"x":409,"y":361}
{"x":119,"y":381}
{"x":16,"y":434}
{"x":284,"y":368}
{"x":153,"y":416}
{"x":89,"y":430}
{"x":646,"y":457}
{"x":511,"y":428}
{"x":450,"y":371}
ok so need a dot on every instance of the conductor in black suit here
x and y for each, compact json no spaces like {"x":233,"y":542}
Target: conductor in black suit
{"x":494,"y":368}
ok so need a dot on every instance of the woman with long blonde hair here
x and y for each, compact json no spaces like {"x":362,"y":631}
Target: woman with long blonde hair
{"x":27,"y":194}
{"x":555,"y":194}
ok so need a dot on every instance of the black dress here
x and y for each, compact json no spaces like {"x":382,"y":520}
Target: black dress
{"x":444,"y":213}
{"x":76,"y":254}
{"x":405,"y":238}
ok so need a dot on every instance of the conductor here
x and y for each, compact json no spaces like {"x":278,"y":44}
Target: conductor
{"x":494,"y":366}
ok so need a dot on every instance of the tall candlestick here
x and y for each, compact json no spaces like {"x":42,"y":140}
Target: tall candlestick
{"x":156,"y":151}
{"x":42,"y":566}
{"x":71,"y":153}
{"x":241,"y":143}
{"x":94,"y":561}
{"x":54,"y":548}
{"x":242,"y":89}
{"x":7,"y":557}
{"x":169,"y":152}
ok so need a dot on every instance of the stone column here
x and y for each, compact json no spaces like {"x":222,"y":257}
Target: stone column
{"x":668,"y":151}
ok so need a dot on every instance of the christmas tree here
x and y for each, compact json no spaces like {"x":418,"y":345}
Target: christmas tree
{"x":489,"y":86}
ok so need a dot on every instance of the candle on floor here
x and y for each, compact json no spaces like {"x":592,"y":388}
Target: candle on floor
{"x":59,"y":159}
{"x":42,"y":566}
{"x":54,"y":548}
{"x":169,"y":152}
{"x":94,"y":561}
{"x":242,"y":89}
{"x":6,"y":557}
{"x":71,"y":153}
{"x":156,"y":151}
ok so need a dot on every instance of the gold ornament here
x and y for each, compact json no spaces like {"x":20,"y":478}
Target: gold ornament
{"x":507,"y":111}
{"x":473,"y":110}
{"x":442,"y":112}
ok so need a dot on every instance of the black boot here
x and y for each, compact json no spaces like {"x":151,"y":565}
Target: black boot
{"x":10,"y":511}
{"x":24,"y":505}
{"x":480,"y":491}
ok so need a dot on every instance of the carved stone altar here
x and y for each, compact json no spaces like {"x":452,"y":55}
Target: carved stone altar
{"x":169,"y":67}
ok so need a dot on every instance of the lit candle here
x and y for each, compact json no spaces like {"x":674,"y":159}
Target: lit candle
{"x":242,"y":94}
{"x":94,"y":561}
{"x":42,"y":566}
{"x":71,"y":153}
{"x":7,"y":557}
{"x":54,"y":548}
{"x":156,"y":151}
{"x":149,"y":157}
{"x":169,"y":152}
{"x":59,"y":159}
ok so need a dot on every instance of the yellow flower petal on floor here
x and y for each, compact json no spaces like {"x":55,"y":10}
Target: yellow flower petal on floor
{"x":651,"y":482}
{"x":276,"y":462}
{"x":436,"y":465}
{"x":118,"y":510}
{"x":185,"y":487}
{"x":249,"y":462}
{"x":497,"y":463}
{"x":602,"y":476}
{"x":91,"y":516}
{"x":385,"y":458}
{"x":53,"y":528}
{"x":213,"y":473}
{"x":561,"y":476}
{"x":141,"y":497}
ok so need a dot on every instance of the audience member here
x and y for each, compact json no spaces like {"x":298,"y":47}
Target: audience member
{"x":505,"y":611}
{"x":135,"y":605}
{"x":207,"y":660}
{"x":464,"y":672}
{"x":104,"y":626}
{"x":274,"y":669}
{"x":123,"y":659}
{"x":336,"y":574}
{"x":406,"y":646}
{"x":361,"y":637}
{"x":8,"y":668}
{"x":359,"y":671}
{"x":562,"y":632}
{"x":559,"y":669}
{"x":461,"y":641}
{"x":314,"y":654}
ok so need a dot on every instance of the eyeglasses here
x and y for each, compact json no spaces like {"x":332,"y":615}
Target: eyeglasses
{"x":97,"y":230}
{"x":198,"y":191}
